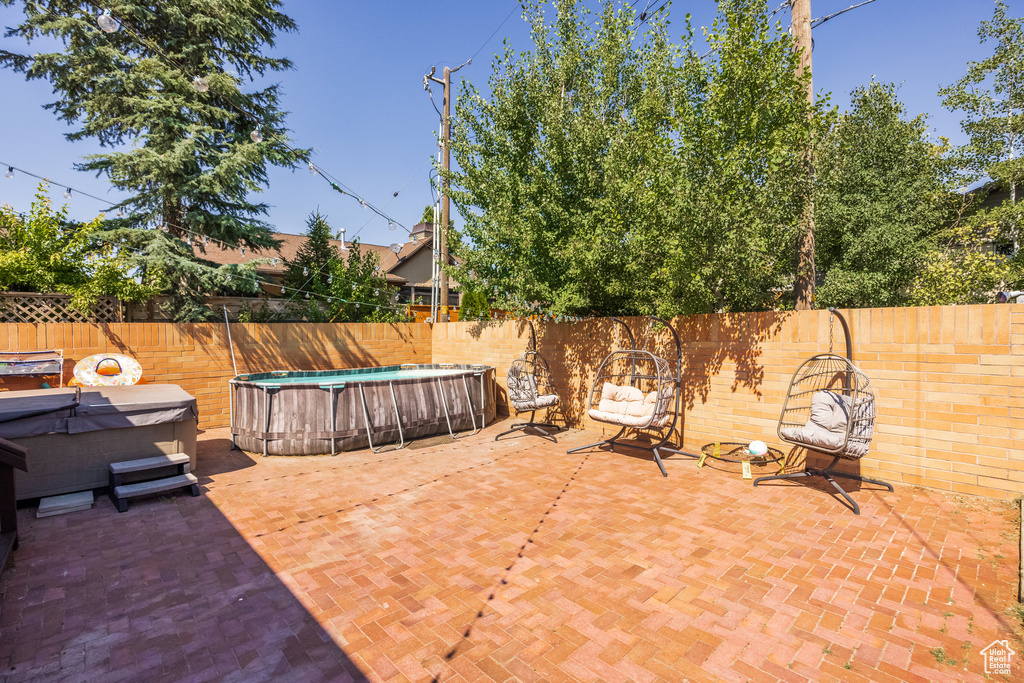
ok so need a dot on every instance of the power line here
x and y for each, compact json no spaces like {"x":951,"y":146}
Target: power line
{"x":492,"y":35}
{"x":821,"y":20}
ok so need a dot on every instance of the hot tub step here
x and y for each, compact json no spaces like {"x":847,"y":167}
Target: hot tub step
{"x":121,"y":494}
{"x":180,"y":461}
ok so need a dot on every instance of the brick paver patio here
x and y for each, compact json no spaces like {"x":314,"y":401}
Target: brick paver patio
{"x":512,"y":560}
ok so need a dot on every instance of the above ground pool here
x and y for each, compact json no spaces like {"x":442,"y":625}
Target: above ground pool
{"x":326,"y":411}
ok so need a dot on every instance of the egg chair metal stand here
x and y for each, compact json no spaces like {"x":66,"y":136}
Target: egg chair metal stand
{"x":531,"y":388}
{"x":829,"y":408}
{"x":636,"y":390}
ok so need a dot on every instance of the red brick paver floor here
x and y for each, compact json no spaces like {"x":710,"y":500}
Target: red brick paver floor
{"x":511,"y":560}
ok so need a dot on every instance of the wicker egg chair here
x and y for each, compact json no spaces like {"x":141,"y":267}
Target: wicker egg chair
{"x":635,"y":389}
{"x":829,"y":408}
{"x":531,"y":388}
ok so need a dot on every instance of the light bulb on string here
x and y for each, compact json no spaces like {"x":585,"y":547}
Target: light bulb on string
{"x":275,"y":263}
{"x":67,"y":193}
{"x":242,"y":251}
{"x":107,"y":23}
{"x":120,"y":213}
{"x":305,"y":272}
{"x":10,"y":172}
{"x":206,"y":239}
{"x":312,"y":169}
{"x":307,"y":295}
{"x":256,"y":135}
{"x":330,"y":279}
{"x":391,"y":225}
{"x":200,"y":84}
{"x":363,"y":204}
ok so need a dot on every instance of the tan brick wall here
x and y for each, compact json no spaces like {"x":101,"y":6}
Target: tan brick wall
{"x":197,"y":358}
{"x":948,"y":381}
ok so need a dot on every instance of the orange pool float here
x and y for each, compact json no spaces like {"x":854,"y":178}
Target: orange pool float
{"x":107,"y":370}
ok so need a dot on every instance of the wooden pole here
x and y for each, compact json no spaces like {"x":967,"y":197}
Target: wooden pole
{"x":803,"y":285}
{"x":445,"y":202}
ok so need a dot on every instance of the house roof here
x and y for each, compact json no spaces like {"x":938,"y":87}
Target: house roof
{"x":289,"y":249}
{"x":421,"y":238}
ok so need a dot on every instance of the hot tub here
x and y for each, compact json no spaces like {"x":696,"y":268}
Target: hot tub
{"x":72,"y":435}
{"x":321,"y":412}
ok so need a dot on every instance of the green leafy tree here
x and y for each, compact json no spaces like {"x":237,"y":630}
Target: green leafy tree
{"x":963,"y":268}
{"x":165,"y":95}
{"x":358,"y":290}
{"x":882,"y":193}
{"x":475,"y":306}
{"x":741,"y":179}
{"x":43,"y":252}
{"x":991,"y":97}
{"x":600,"y":177}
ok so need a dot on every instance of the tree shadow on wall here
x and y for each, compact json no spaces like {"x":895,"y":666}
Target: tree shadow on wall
{"x":265,"y":347}
{"x":709,"y":342}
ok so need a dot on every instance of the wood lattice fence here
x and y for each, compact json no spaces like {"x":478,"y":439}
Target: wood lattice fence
{"x":25,"y":307}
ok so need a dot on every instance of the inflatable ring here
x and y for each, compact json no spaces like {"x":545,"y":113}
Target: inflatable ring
{"x":108,"y":370}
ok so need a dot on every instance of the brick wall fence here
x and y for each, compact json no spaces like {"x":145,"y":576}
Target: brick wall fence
{"x":948,"y":379}
{"x":197,"y":357}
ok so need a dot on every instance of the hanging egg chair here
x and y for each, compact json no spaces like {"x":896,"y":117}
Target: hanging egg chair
{"x":829,"y":408}
{"x":531,"y":388}
{"x":635,"y":389}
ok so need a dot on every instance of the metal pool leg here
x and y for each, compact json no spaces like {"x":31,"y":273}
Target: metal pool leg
{"x":231,"y":411}
{"x":266,"y":424}
{"x":334,"y":417}
{"x":366,"y":416}
{"x":469,"y":403}
{"x":444,"y":402}
{"x":398,"y":417}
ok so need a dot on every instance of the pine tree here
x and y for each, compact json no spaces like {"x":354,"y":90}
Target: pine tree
{"x":310,"y":270}
{"x":165,"y":95}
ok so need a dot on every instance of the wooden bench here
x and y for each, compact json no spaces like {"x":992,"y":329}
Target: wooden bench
{"x":120,"y":492}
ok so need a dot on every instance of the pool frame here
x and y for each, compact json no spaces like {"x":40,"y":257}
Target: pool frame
{"x":348,"y":409}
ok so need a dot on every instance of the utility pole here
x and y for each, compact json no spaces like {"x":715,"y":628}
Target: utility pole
{"x":803,"y":285}
{"x":446,"y":138}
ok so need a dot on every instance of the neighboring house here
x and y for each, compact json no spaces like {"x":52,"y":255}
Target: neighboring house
{"x":408,"y":270}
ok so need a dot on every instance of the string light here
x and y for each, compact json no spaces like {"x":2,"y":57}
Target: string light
{"x":305,"y":272}
{"x":312,"y":169}
{"x":256,"y":135}
{"x":10,"y":172}
{"x":166,"y":226}
{"x":200,"y":84}
{"x":67,"y":193}
{"x":107,"y":23}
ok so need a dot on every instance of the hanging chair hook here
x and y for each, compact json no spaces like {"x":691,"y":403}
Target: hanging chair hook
{"x":846,"y":333}
{"x":629,"y":333}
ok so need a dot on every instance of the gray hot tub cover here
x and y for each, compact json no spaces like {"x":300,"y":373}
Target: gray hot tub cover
{"x":55,"y":411}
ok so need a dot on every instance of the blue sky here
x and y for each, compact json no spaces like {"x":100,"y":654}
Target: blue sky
{"x":356,"y":93}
